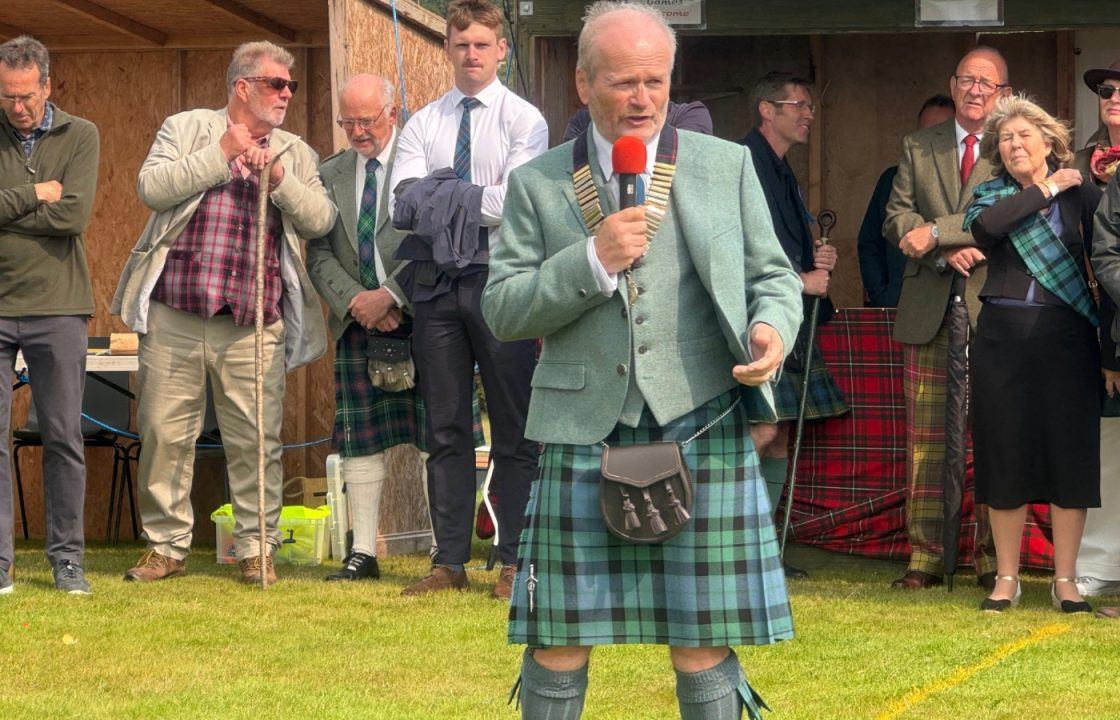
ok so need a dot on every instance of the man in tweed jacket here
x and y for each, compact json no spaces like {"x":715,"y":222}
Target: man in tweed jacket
{"x":634,"y":355}
{"x":188,"y":288}
{"x":938,"y":170}
{"x":355,"y":271}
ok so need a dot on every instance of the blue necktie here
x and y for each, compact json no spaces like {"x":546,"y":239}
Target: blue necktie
{"x":462,"y":164}
{"x":367,"y":228}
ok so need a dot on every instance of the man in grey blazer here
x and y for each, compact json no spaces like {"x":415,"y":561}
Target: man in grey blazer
{"x":355,"y":271}
{"x":188,"y":290}
{"x":936,"y":175}
{"x":632,"y":355}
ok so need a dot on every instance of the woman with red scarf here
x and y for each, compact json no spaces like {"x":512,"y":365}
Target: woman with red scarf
{"x":1098,"y":562}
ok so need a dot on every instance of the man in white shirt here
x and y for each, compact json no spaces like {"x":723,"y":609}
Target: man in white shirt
{"x":354,"y":269}
{"x":939,"y":168}
{"x":482,"y":131}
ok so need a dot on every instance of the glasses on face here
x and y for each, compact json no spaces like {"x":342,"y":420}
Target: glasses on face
{"x":1105,"y":91}
{"x":799,"y":105}
{"x":366,"y":124}
{"x":987,"y":87}
{"x":276,"y":83}
{"x":10,"y":101}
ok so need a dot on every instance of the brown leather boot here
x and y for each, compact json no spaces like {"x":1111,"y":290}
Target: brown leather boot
{"x":439,"y":578}
{"x":250,"y":569}
{"x":153,"y":566}
{"x":503,"y":589}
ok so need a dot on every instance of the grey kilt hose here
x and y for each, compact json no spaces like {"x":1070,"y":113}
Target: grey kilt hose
{"x":718,"y":582}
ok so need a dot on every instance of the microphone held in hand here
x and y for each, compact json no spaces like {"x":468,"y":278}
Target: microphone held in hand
{"x":628,"y":159}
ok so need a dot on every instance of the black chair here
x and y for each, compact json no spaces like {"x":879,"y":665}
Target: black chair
{"x":106,"y":398}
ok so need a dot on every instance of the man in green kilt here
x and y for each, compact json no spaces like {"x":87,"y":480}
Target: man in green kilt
{"x":675,"y":348}
{"x":354,"y":270}
{"x":784,"y":114}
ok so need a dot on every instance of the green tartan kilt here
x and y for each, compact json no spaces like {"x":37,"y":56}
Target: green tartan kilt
{"x":825,"y":398}
{"x":718,"y":582}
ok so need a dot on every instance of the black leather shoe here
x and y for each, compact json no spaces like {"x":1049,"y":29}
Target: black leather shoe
{"x":794,"y":573}
{"x":1067,"y":606}
{"x":987,"y":580}
{"x":998,"y":606}
{"x":916,"y":580}
{"x":355,"y":567}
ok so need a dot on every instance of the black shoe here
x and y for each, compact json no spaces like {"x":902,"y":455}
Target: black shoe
{"x":794,"y":573}
{"x":355,"y":567}
{"x":1067,"y":606}
{"x":70,"y":578}
{"x":998,"y":606}
{"x":987,"y":580}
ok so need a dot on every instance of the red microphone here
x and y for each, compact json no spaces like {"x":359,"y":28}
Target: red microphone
{"x":628,"y":158}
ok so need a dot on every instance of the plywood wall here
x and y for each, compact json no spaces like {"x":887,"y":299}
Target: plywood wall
{"x":128,"y":95}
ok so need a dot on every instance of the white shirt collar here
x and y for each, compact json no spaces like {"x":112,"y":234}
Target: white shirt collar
{"x":487,"y":95}
{"x":603,"y":149}
{"x":962,"y":134}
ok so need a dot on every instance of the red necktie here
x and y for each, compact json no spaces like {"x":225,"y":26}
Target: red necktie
{"x":968,"y":159}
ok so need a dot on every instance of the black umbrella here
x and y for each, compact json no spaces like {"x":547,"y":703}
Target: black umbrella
{"x":956,"y":427}
{"x":826,"y":219}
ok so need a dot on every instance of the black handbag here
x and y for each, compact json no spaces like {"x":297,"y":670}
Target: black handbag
{"x":645,"y":491}
{"x":389,"y":362}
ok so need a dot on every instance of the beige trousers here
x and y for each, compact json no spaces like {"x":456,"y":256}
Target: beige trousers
{"x":177,"y":355}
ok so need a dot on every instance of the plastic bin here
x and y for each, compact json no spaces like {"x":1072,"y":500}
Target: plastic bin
{"x":303,"y":534}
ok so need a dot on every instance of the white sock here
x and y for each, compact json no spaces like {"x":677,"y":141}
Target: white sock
{"x":364,"y":477}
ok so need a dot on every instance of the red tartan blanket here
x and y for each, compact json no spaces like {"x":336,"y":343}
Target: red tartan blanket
{"x":851,"y":476}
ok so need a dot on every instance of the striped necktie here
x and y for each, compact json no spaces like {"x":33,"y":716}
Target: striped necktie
{"x":463,"y":140}
{"x":367,"y":228}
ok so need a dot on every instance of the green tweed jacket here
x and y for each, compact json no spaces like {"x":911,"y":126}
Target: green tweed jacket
{"x":928,"y":189}
{"x":332,"y":260}
{"x":541,"y":285}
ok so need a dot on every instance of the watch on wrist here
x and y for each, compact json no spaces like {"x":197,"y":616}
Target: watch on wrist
{"x":935,"y":234}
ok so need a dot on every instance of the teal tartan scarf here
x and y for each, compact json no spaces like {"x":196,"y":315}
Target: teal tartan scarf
{"x":1044,"y":254}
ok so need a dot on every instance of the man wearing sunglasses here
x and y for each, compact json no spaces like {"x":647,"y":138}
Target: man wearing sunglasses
{"x":467,"y":143}
{"x":939,"y":168}
{"x":48,"y":177}
{"x":189,"y":289}
{"x":355,"y":272}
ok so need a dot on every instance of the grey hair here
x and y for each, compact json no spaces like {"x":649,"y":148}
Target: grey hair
{"x":592,"y":20}
{"x":23,"y":52}
{"x":247,"y":59}
{"x":1022,"y":106}
{"x":388,"y":90}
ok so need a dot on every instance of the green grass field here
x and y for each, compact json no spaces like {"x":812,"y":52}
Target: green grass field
{"x":202,"y":646}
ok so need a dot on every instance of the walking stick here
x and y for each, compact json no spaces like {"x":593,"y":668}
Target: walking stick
{"x":826,"y":219}
{"x":258,"y":360}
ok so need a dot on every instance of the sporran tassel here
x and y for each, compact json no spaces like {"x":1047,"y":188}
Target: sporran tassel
{"x":655,"y":522}
{"x":631,"y":522}
{"x":678,"y":507}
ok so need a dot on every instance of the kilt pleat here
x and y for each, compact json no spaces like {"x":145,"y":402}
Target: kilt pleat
{"x":825,"y":398}
{"x":718,"y":582}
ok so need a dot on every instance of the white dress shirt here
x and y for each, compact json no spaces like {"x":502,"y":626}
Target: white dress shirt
{"x":961,"y":147}
{"x":608,"y":282}
{"x":359,"y":190}
{"x":506,"y":131}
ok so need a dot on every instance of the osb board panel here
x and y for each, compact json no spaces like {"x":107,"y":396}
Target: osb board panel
{"x":371,"y":49}
{"x":872,"y":101}
{"x":128,"y":96}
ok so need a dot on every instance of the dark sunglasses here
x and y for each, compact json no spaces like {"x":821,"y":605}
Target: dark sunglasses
{"x":1105,"y":91}
{"x":276,"y":83}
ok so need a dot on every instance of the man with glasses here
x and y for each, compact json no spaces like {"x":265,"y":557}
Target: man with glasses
{"x":189,"y":289}
{"x":940,"y":166}
{"x":481,"y":131}
{"x":784,"y":114}
{"x":355,"y":270}
{"x":48,"y":177}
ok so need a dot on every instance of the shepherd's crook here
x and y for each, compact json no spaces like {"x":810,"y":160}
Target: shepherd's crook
{"x":258,"y":367}
{"x":826,"y":219}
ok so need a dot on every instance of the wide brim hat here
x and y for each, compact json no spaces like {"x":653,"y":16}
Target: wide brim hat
{"x":1093,"y":78}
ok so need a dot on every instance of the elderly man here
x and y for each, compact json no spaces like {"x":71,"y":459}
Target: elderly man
{"x":647,"y":359}
{"x":189,"y":290}
{"x":481,"y":131}
{"x":784,"y":112}
{"x":939,"y":168}
{"x":355,"y":271}
{"x":48,"y":175}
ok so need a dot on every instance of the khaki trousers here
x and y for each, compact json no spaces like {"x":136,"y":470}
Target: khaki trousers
{"x":177,"y":355}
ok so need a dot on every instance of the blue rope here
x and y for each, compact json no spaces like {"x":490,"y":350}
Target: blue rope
{"x":400,"y":64}
{"x":207,"y":446}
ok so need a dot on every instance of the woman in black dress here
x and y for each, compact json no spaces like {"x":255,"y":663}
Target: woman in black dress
{"x":1035,"y":358}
